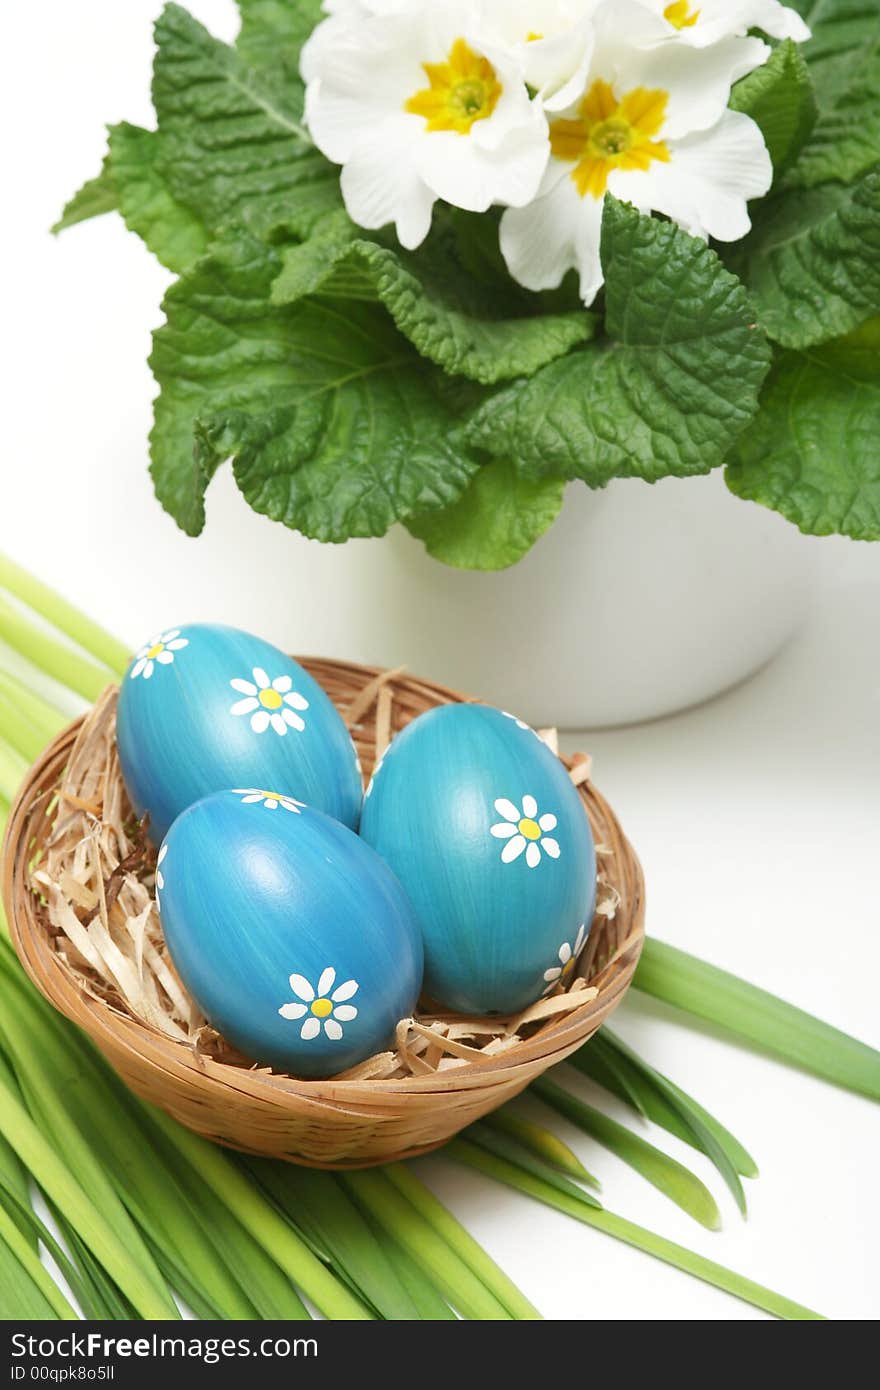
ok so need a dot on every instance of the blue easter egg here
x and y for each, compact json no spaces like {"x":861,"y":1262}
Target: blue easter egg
{"x":203,"y":708}
{"x":292,"y":935}
{"x":483,"y":827}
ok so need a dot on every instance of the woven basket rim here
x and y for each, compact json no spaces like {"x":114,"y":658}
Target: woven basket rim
{"x":133,"y":1044}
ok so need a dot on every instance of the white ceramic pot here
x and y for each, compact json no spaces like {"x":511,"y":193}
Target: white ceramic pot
{"x":639,"y":601}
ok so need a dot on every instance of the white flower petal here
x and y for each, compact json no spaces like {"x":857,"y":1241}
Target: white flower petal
{"x":293,"y":1010}
{"x":301,"y":988}
{"x":565,"y":953}
{"x":270,"y":803}
{"x":282,"y":684}
{"x":148,"y":670}
{"x":332,"y":1029}
{"x":278,"y":724}
{"x":178,"y":645}
{"x":533,"y":855}
{"x":530,"y":807}
{"x":550,"y":846}
{"x":513,"y":849}
{"x":552,"y":974}
{"x":165,"y":658}
{"x":380,"y":185}
{"x":327,"y":981}
{"x":260,"y":721}
{"x":345,"y":1013}
{"x":245,"y":706}
{"x":344,"y":991}
{"x":170,"y":635}
{"x":581,"y":938}
{"x":507,"y":810}
{"x":292,"y":720}
{"x":559,"y":232}
{"x":243,"y":687}
{"x":250,"y":798}
{"x":548,"y":821}
{"x":296,"y":701}
{"x":261,"y":678}
{"x":162,"y":854}
{"x":310,"y":1029}
{"x":503,"y":830}
{"x":138,"y":667}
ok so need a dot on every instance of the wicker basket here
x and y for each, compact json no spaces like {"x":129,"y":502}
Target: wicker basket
{"x":410,"y":1102}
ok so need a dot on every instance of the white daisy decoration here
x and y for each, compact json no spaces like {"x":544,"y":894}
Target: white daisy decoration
{"x":567,"y":956}
{"x":321,"y":1006}
{"x":269,"y":703}
{"x":525,"y":830}
{"x":158,"y":652}
{"x":251,"y":796}
{"x":160,"y":877}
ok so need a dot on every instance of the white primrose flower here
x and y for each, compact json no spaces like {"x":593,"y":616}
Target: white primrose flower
{"x":651,"y":127}
{"x":421,"y":105}
{"x":552,"y":40}
{"x":339,"y":14}
{"x":701,"y":22}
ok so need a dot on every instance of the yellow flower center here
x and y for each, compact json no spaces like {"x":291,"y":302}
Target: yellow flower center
{"x":608,"y":134}
{"x":567,"y":971}
{"x":155,"y":650}
{"x":465,"y":89}
{"x":270,"y":699}
{"x":271,"y":796}
{"x":321,"y":1008}
{"x":681,"y":15}
{"x":529,"y":828}
{"x":533,"y":37}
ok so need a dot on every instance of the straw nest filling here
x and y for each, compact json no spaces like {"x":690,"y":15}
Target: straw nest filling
{"x":94,"y":883}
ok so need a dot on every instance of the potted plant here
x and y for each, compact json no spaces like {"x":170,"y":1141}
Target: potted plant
{"x":440,"y":267}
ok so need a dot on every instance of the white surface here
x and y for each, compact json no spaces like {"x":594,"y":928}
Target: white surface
{"x":756,"y":816}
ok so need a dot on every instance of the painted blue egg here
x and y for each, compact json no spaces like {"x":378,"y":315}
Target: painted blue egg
{"x":204,"y":708}
{"x":292,"y":935}
{"x":483,"y":827}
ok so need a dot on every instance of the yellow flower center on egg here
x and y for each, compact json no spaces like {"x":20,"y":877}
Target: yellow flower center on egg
{"x":270,"y":699}
{"x":155,"y":650}
{"x":567,"y":971}
{"x":609,"y":134}
{"x":529,"y":828}
{"x":463,"y":90}
{"x":680,"y":14}
{"x":322,"y":1008}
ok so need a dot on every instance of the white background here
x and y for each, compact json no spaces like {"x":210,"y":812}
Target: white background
{"x":756,"y":816}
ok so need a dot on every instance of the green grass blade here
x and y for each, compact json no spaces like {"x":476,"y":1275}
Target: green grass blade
{"x":670,"y":1177}
{"x":69,"y":620}
{"x":693,"y":1119}
{"x":542,"y":1143}
{"x":636,"y":1236}
{"x":13,"y":770}
{"x":54,"y":658}
{"x":46,"y":718}
{"x":91,"y":1286}
{"x":605,"y":1069}
{"x":268,"y":1227}
{"x":317,"y":1200}
{"x":28,"y":1289}
{"x":471,"y":1252}
{"x":373,"y":1191}
{"x":13,"y":1174}
{"x":430,"y":1304}
{"x":146,"y":1293}
{"x":757,"y":1018}
{"x":504,"y":1147}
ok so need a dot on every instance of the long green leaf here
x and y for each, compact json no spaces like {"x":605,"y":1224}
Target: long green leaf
{"x":54,"y":658}
{"x":430,"y":1304}
{"x":373,"y":1191}
{"x":670,"y":1177}
{"x":318,"y":1201}
{"x":646,"y":1241}
{"x":444,"y":1223}
{"x":541,"y":1142}
{"x":757,"y":1018}
{"x":63,"y":615}
{"x":13,"y":770}
{"x":18,"y":731}
{"x":27,"y":1290}
{"x":503,"y":1146}
{"x":146,"y":1291}
{"x":46,"y":718}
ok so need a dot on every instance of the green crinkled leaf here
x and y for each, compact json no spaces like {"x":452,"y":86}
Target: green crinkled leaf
{"x":812,"y":263}
{"x":336,"y":426}
{"x":675,"y":383}
{"x":174,"y":234}
{"x":96,"y":197}
{"x":495,"y":522}
{"x":274,"y":31}
{"x":813,"y":451}
{"x":233,"y":148}
{"x":780,"y":98}
{"x":844,"y":60}
{"x":453,"y":320}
